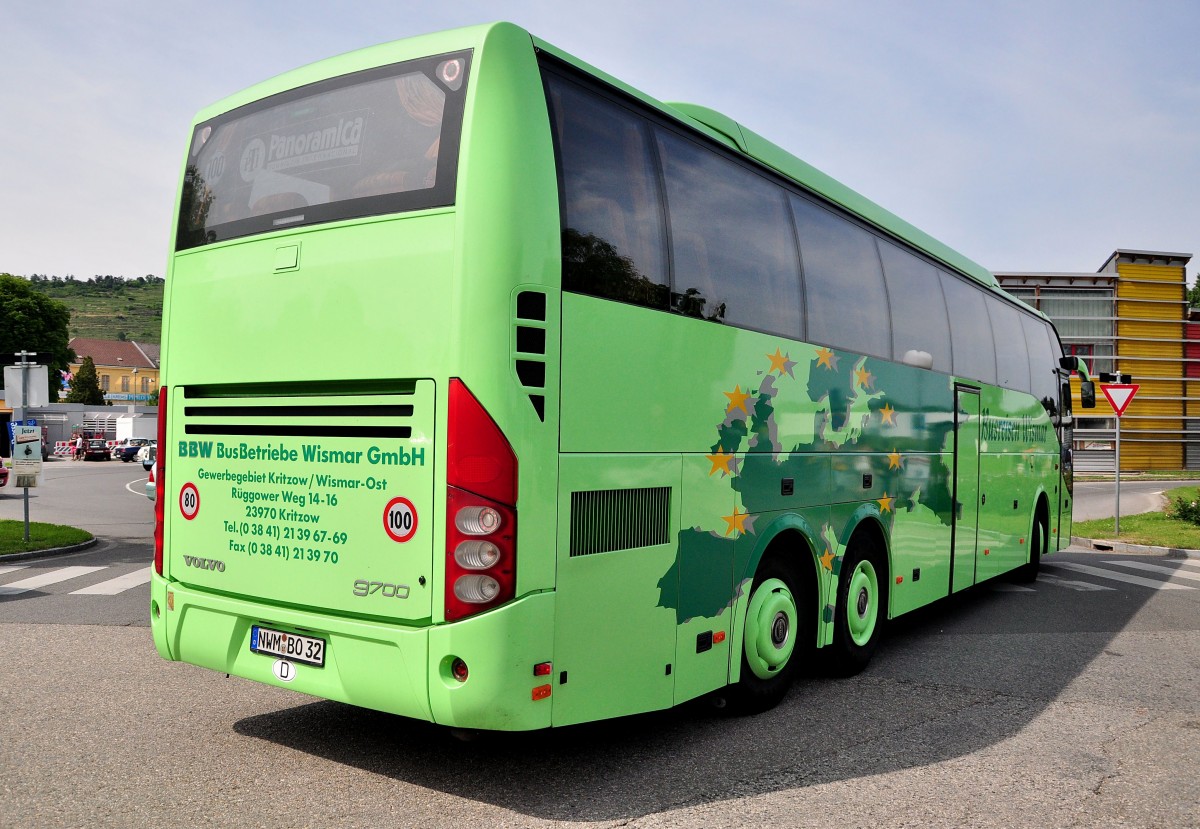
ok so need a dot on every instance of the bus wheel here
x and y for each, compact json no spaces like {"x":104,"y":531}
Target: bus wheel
{"x":861,"y":608}
{"x":1028,"y":571}
{"x":775,"y":633}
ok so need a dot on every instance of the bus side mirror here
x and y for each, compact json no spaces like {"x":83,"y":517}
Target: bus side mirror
{"x":1087,"y":394}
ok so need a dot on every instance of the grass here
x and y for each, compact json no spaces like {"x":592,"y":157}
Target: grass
{"x":104,"y":310}
{"x":1155,"y":529}
{"x":41,"y":537}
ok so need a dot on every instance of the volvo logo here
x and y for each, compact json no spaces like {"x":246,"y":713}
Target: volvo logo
{"x":204,"y":563}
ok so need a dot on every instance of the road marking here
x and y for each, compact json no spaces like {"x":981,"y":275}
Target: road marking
{"x":45,"y":578}
{"x":141,"y":490}
{"x":1082,"y":586}
{"x":1157,"y":568}
{"x":1115,"y":576}
{"x":1005,"y":587}
{"x":1190,"y":562}
{"x":8,"y":568}
{"x":118,"y":585}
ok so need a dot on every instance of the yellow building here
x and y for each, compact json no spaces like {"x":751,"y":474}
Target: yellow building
{"x":127,"y":372}
{"x":1130,"y":317}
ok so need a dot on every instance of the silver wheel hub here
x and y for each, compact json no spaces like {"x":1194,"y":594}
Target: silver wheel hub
{"x":779,"y":629}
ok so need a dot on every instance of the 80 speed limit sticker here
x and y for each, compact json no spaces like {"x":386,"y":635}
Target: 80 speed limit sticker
{"x":189,"y":501}
{"x":400,"y":519}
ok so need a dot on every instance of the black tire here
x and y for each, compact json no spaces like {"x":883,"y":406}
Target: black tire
{"x":861,"y":608}
{"x":1038,"y":540}
{"x":779,"y":634}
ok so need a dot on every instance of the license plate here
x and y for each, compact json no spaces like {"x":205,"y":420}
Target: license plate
{"x":288,"y":645}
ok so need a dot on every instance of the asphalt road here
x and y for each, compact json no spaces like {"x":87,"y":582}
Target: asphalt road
{"x":1072,"y":702}
{"x":1098,"y":499}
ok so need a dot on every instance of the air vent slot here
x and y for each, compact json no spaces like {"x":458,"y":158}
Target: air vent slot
{"x":219,"y":411}
{"x":529,"y":357}
{"x":603,"y":521}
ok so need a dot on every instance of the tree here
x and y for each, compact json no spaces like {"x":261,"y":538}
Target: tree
{"x":85,"y":388}
{"x":1193,"y":294}
{"x":31,"y":321}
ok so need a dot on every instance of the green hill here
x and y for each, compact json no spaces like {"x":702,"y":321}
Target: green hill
{"x":107,"y":307}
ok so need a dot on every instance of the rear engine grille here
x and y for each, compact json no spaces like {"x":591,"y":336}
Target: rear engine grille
{"x":603,"y":521}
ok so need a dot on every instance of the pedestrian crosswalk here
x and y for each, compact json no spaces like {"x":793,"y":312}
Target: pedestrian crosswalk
{"x":1154,"y":574}
{"x":114,"y":579}
{"x":1056,"y":574}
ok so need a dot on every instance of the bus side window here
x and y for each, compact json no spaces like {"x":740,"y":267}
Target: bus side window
{"x":918,"y":309}
{"x":612,"y":242}
{"x":970,"y":330}
{"x":745,"y":270}
{"x":1012,"y":355}
{"x":844,"y":294}
{"x":1043,"y":363}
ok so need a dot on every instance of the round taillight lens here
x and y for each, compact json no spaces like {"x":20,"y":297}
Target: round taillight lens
{"x":476,"y":555}
{"x":458,"y":670}
{"x":478,"y":520}
{"x":476,"y":589}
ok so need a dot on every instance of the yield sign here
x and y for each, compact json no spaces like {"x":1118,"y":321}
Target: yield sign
{"x":1119,"y":395}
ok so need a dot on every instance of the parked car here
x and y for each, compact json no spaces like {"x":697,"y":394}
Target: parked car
{"x":127,"y":449}
{"x":151,"y":491}
{"x":148,"y":454}
{"x":96,"y":449}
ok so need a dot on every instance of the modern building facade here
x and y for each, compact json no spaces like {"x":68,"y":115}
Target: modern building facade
{"x":1130,"y":317}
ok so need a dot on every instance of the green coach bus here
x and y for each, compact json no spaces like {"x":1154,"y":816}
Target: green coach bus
{"x":500,"y":395}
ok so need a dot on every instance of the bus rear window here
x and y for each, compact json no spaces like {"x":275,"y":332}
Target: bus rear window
{"x":380,"y":141}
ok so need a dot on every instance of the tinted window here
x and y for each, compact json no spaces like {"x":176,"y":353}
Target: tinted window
{"x":1043,"y":361}
{"x":733,"y":252}
{"x":843,"y":282}
{"x":613,"y":243}
{"x":1012,"y":355}
{"x":918,"y":309}
{"x":372,"y":142}
{"x":970,"y":330}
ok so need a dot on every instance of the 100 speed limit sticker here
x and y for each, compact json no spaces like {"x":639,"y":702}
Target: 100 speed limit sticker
{"x":400,"y":519}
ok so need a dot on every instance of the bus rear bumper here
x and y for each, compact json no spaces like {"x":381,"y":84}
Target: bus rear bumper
{"x":400,"y":670}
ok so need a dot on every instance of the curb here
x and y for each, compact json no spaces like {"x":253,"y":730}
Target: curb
{"x":53,"y":551}
{"x":1120,"y":547}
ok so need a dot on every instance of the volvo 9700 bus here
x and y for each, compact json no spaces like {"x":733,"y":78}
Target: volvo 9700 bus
{"x":501,"y":395}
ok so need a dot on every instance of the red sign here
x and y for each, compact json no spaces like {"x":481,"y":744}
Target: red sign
{"x":400,"y":519}
{"x":1120,"y":395}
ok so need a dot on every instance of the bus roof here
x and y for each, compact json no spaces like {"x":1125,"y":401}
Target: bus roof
{"x":725,"y":130}
{"x":715,"y":125}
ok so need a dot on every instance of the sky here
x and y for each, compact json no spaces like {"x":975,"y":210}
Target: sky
{"x":1029,"y":136}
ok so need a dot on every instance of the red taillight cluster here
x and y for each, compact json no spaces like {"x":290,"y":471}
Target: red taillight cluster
{"x":160,"y":477}
{"x":481,"y":515}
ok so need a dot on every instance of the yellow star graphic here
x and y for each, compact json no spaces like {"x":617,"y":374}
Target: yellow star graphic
{"x":827,"y":560}
{"x":863,"y":377}
{"x":737,"y":399}
{"x":894,"y":461}
{"x":888,"y":414}
{"x":825,"y":358}
{"x":778,"y":362}
{"x":885,"y":504}
{"x":720,"y":461}
{"x":737,"y":521}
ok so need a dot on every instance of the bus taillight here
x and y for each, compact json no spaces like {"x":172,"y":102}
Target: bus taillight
{"x":481,"y":515}
{"x":160,"y":478}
